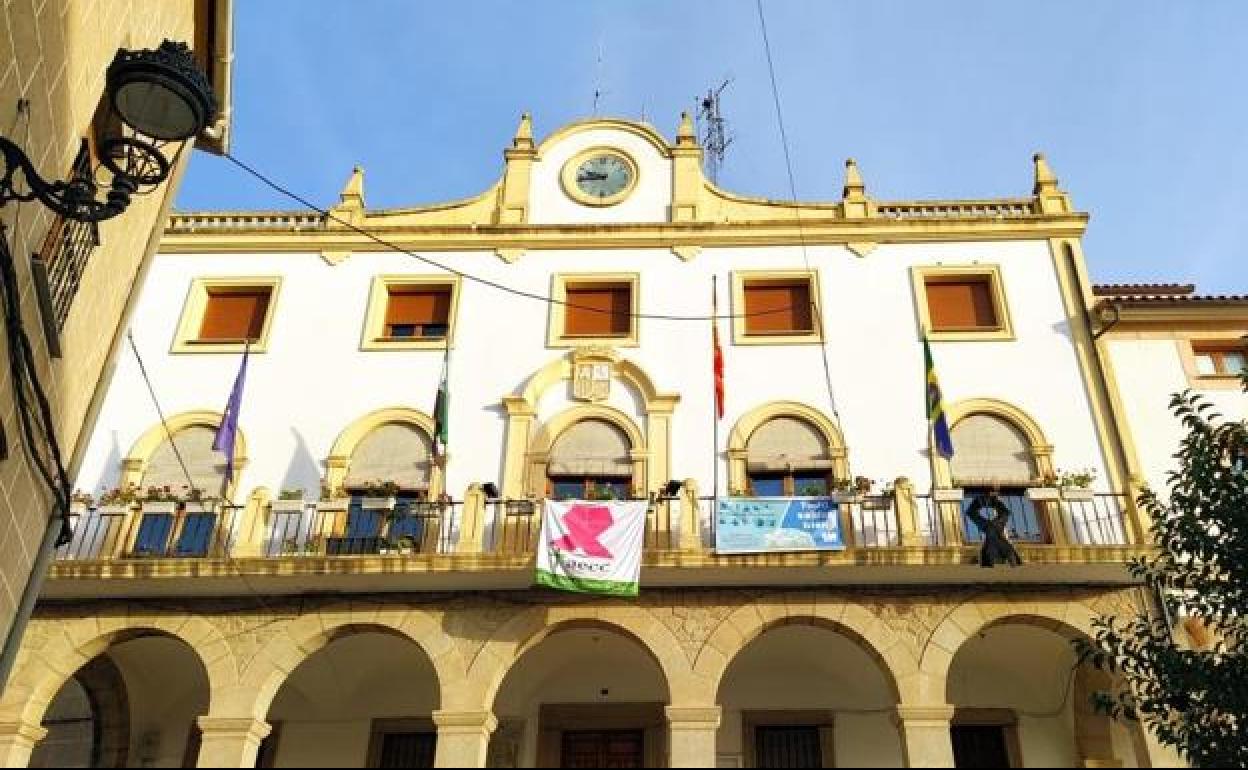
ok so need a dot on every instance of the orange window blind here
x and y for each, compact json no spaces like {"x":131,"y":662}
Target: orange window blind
{"x":598,"y":310}
{"x":427,"y":308}
{"x":235,"y":314}
{"x":778,"y":308}
{"x":961,"y":304}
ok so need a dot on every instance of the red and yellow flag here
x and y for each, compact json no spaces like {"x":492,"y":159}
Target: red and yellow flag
{"x":718,"y":353}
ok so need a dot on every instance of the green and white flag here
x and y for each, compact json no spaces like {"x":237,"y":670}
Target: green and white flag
{"x":592,"y":546}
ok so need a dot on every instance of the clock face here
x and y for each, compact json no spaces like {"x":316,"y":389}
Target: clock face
{"x":603,"y":176}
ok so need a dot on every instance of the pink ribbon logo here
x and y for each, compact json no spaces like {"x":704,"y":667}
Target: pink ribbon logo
{"x":585,"y":523}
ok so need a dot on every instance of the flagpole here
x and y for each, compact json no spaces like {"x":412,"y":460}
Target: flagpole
{"x":714,"y":394}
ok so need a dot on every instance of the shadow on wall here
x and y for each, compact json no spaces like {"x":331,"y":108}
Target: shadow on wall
{"x":304,"y":472}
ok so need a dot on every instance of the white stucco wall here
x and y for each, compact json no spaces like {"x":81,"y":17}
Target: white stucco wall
{"x":314,"y":380}
{"x":1146,"y":400}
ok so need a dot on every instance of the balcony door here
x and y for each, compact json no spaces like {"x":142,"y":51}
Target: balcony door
{"x":603,"y":748}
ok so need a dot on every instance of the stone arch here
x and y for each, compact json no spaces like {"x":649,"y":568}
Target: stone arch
{"x":522,"y":434}
{"x":526,"y":630}
{"x":312,"y":632}
{"x":1041,"y":449}
{"x":42,"y":668}
{"x":336,"y":464}
{"x":739,"y":437}
{"x":551,"y":430}
{"x":1068,"y":619}
{"x":134,"y":464}
{"x":637,"y":129}
{"x":852,"y":621}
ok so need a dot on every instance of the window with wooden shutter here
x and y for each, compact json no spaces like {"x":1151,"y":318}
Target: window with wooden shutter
{"x":778,"y":308}
{"x":1220,"y":359}
{"x":598,"y":310}
{"x":418,"y":311}
{"x":962,"y":303}
{"x":234,"y":314}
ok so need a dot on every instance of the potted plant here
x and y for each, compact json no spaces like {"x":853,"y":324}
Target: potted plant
{"x":312,"y":546}
{"x":407,"y":545}
{"x":602,"y":492}
{"x":378,"y":495}
{"x":739,"y":492}
{"x":118,"y":499}
{"x":1077,"y":485}
{"x":845,"y":490}
{"x":290,"y":546}
{"x":289,"y":501}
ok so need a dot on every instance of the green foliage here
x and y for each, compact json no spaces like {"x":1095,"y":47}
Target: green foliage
{"x":1193,"y":700}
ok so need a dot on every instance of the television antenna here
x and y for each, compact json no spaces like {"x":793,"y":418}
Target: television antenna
{"x":714,"y":131}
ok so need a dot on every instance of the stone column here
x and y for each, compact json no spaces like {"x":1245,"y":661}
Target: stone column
{"x":252,"y":526}
{"x":463,"y":738}
{"x":17,"y":741}
{"x":907,"y":508}
{"x":472,"y":521}
{"x":690,"y":517}
{"x":230,"y":741}
{"x":692,"y":732}
{"x":925,"y":738}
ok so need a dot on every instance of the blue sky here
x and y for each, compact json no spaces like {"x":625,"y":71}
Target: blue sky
{"x":1139,"y":106}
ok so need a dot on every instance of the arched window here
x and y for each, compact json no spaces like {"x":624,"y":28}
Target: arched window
{"x":591,"y":459}
{"x":993,"y":454}
{"x":788,"y":456}
{"x":205,"y":466}
{"x":398,"y":452}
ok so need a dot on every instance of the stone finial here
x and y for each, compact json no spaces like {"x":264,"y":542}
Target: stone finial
{"x":352,"y":195}
{"x":854,"y":187}
{"x":1046,"y":180}
{"x":685,"y":134}
{"x":523,"y":140}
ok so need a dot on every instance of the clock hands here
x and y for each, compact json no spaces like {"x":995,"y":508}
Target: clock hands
{"x":589,"y":176}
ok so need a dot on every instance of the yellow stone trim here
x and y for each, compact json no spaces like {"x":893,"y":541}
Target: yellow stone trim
{"x":344,"y":446}
{"x":643,"y":130}
{"x":918,"y":281}
{"x":861,"y":248}
{"x":375,"y":315}
{"x":548,"y":433}
{"x":739,"y":438}
{"x":1187,"y":356}
{"x":567,"y":176}
{"x":687,"y":252}
{"x":185,"y":339}
{"x":134,"y":465}
{"x":742,"y":277}
{"x":555,"y":337}
{"x":510,"y":256}
{"x":334,"y":258}
{"x":1041,"y":449}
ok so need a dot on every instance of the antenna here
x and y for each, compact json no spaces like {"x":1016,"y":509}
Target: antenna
{"x":715,"y":138}
{"x":599,"y":92}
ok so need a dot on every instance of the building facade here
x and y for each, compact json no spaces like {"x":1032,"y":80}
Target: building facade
{"x":361,"y":596}
{"x":53,"y":59}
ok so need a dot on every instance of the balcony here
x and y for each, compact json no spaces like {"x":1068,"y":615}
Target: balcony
{"x":897,"y":538}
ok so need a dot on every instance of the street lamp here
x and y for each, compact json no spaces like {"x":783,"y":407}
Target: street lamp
{"x":162,"y":96}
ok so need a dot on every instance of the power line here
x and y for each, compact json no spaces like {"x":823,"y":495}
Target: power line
{"x":797,"y":212}
{"x":268,"y":182}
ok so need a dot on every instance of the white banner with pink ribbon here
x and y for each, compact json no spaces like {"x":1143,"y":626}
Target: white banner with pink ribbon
{"x":592,"y":546}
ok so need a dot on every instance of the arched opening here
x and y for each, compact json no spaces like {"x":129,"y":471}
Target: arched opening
{"x":787,"y":456}
{"x":993,"y":454}
{"x":388,"y":480}
{"x":189,"y":529}
{"x":365,"y":699}
{"x":584,"y":696}
{"x":802,"y":695}
{"x":1022,"y":700}
{"x":590,"y":460}
{"x":133,"y":705}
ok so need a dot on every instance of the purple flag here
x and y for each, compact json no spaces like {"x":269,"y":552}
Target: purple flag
{"x":228,"y":430}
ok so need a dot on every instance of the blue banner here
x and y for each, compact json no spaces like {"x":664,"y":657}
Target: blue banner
{"x":777,"y":524}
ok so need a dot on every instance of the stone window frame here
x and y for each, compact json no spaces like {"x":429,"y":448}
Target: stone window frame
{"x":740,"y":278}
{"x":373,"y":336}
{"x":919,"y":276}
{"x":555,"y":336}
{"x":186,"y":336}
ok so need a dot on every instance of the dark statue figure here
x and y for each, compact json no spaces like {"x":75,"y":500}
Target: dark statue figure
{"x":997,"y":548}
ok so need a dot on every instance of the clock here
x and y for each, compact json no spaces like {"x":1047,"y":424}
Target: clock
{"x":599,"y":177}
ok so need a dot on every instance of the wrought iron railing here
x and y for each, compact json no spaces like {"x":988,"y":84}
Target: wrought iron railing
{"x":186,"y":532}
{"x":1100,"y":519}
{"x":63,"y":258}
{"x":410,"y":527}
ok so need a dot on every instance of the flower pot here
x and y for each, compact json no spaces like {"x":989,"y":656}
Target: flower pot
{"x":1043,"y":493}
{"x":288,"y":506}
{"x":378,"y":503}
{"x":1081,"y":494}
{"x":162,"y":506}
{"x":948,"y":495}
{"x":846,"y":497}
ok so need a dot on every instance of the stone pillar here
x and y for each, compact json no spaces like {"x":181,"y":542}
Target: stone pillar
{"x":230,"y":741}
{"x":690,"y":517}
{"x":17,"y":741}
{"x":925,"y":738}
{"x":472,"y":521}
{"x":252,"y":528}
{"x":907,"y":507}
{"x":692,"y":731}
{"x":463,"y":738}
